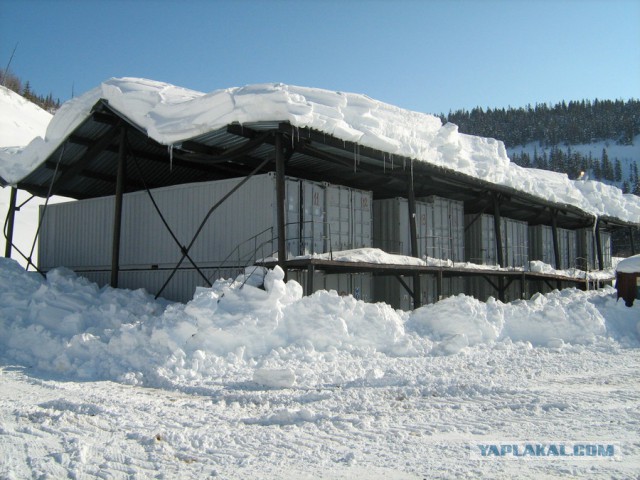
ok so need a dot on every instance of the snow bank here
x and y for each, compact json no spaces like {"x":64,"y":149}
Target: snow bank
{"x":171,"y":114}
{"x":67,"y":326}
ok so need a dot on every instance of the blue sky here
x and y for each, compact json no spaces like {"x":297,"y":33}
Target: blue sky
{"x":431,"y":56}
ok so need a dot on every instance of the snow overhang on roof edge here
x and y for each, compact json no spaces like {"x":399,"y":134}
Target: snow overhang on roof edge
{"x":170,"y":114}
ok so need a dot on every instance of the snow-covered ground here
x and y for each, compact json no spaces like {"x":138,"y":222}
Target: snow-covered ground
{"x":250,"y":383}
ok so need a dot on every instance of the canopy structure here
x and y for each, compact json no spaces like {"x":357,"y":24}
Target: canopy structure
{"x":180,"y":136}
{"x":134,"y":134}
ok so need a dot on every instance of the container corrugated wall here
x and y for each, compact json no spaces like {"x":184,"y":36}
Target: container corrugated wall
{"x":349,"y":218}
{"x":76,"y":234}
{"x":445,"y":228}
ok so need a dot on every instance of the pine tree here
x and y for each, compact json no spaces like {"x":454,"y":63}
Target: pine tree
{"x":617,"y":171}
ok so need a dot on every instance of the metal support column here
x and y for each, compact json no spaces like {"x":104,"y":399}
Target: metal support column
{"x":598,"y":244}
{"x":117,"y":214}
{"x":280,"y":198}
{"x":498,"y":231}
{"x":10,"y":221}
{"x":554,"y":237}
{"x":311,"y":270}
{"x":413,"y":230}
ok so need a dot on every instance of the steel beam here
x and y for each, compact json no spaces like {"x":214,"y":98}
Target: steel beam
{"x":11,"y":214}
{"x":598,"y":244}
{"x":117,"y":214}
{"x":554,"y":237}
{"x":498,"y":231}
{"x":417,"y":301}
{"x":280,"y":201}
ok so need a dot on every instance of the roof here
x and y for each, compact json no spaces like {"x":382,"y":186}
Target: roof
{"x":175,"y":136}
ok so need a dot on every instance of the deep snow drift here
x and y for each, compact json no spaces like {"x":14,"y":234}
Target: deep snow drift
{"x":251,"y":383}
{"x":69,"y":327}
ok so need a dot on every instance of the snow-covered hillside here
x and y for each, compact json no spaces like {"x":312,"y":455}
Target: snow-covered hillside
{"x":627,"y":154}
{"x":248,"y":383}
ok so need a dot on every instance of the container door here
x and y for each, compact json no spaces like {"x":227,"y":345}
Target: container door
{"x":292,"y":217}
{"x":313,"y":221}
{"x":362,"y":227}
{"x":338,"y":208}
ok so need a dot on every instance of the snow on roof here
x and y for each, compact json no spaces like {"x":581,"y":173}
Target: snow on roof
{"x":629,"y":265}
{"x":171,"y":115}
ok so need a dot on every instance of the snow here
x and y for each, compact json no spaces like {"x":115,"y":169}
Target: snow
{"x":21,"y":122}
{"x":171,"y":114}
{"x":248,"y":383}
{"x":242,"y":382}
{"x":629,"y":265}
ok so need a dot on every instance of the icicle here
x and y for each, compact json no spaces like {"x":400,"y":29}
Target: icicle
{"x":384,"y":162}
{"x":293,"y":137}
{"x":170,"y":148}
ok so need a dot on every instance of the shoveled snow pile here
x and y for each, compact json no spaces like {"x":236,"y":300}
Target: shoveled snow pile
{"x":249,"y":383}
{"x":67,"y":326}
{"x":171,"y":115}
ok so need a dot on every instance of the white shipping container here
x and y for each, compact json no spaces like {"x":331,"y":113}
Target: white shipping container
{"x":391,"y":226}
{"x":480,"y":241}
{"x":246,"y":222}
{"x":338,"y":209}
{"x":445,"y":237}
{"x":362,"y":205}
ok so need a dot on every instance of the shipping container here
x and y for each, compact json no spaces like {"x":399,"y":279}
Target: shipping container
{"x":480,"y":241}
{"x":391,"y":226}
{"x":481,"y":245}
{"x":349,"y":217}
{"x":568,"y":248}
{"x":439,"y":227}
{"x":587,"y":258}
{"x":313,"y":235}
{"x":541,"y":238}
{"x":541,"y":244}
{"x":445,"y":226}
{"x":78,"y":234}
